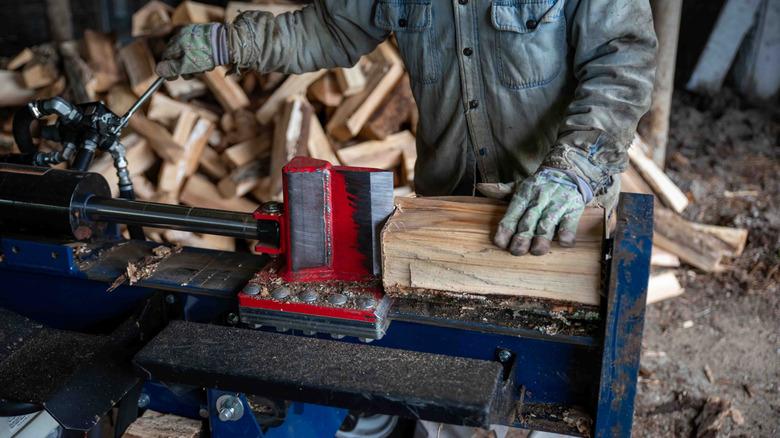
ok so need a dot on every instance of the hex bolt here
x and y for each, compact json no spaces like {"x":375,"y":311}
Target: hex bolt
{"x":280,"y":293}
{"x":337,"y":299}
{"x":252,"y":289}
{"x":367,"y":303}
{"x":143,"y":400}
{"x":230,"y":408}
{"x":271,"y":207}
{"x":504,"y":356}
{"x":308,"y":296}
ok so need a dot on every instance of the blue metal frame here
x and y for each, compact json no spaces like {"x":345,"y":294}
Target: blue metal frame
{"x":597,"y":374}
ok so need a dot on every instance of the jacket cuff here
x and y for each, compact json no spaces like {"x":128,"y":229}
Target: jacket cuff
{"x":219,"y":45}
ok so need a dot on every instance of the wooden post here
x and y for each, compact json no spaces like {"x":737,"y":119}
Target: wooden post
{"x":654,"y":127}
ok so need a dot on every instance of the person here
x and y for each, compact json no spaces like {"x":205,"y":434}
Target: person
{"x":539,"y":98}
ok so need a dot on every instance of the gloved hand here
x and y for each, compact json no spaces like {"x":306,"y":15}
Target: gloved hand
{"x":196,"y":48}
{"x":549,"y":199}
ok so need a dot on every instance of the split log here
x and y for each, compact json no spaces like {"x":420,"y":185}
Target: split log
{"x":21,"y":59}
{"x":666,"y":190}
{"x":227,"y":91}
{"x":82,"y":82}
{"x":735,"y":238}
{"x":159,"y":138}
{"x":389,"y":117}
{"x":211,"y":164}
{"x":139,"y":159}
{"x":39,"y":74}
{"x":351,"y":80}
{"x":247,"y":151}
{"x":185,"y":89}
{"x":293,"y":85}
{"x":291,"y":136}
{"x":120,"y":98}
{"x":209,"y":241}
{"x":664,"y":259}
{"x":663,"y":286}
{"x":189,"y":12}
{"x":354,"y":112}
{"x":381,"y":154}
{"x":153,"y":19}
{"x":166,"y":111}
{"x":680,"y":237}
{"x":437,"y":244}
{"x":319,"y":145}
{"x":242,"y":180}
{"x":139,"y":65}
{"x":156,"y":425}
{"x":12,"y":89}
{"x":239,"y":126}
{"x":326,"y":91}
{"x":100,"y":51}
{"x":198,"y":191}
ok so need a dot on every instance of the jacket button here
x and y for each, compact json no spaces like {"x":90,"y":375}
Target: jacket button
{"x":402,"y":22}
{"x":463,"y":2}
{"x":531,"y":24}
{"x":473,"y":104}
{"x":467,"y":51}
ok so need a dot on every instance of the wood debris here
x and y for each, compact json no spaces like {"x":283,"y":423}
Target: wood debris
{"x":144,"y":268}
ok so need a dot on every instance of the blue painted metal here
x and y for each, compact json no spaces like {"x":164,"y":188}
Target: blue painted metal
{"x":308,"y":420}
{"x":246,"y":426}
{"x":53,"y":258}
{"x":625,"y":316}
{"x":177,"y":400}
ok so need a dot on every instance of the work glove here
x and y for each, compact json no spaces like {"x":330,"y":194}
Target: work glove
{"x":550,"y":200}
{"x":195,"y":48}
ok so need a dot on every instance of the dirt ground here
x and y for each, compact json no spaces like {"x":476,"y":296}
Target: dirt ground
{"x":722,"y":337}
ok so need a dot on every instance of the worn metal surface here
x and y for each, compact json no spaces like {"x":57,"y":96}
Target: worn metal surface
{"x":625,"y":315}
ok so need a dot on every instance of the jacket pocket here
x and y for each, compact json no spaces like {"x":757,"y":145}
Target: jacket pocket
{"x":412,"y":23}
{"x":530,"y":43}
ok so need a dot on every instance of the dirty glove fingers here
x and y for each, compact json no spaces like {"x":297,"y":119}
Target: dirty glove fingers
{"x":168,"y":69}
{"x":545,"y":229}
{"x":508,"y":225}
{"x":521,"y":242}
{"x":567,"y":229}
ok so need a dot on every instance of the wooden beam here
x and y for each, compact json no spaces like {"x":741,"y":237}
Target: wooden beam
{"x":198,"y":191}
{"x":139,"y":65}
{"x":293,"y":85}
{"x":225,"y":88}
{"x":435,"y":244}
{"x":100,"y":52}
{"x":393,"y":113}
{"x":663,"y":286}
{"x":387,"y":68}
{"x":381,"y":154}
{"x":663,"y":187}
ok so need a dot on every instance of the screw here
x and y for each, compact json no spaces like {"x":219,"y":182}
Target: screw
{"x":170,"y":299}
{"x":308,"y":296}
{"x":143,"y":400}
{"x":230,"y":408}
{"x":252,"y":289}
{"x":232,"y":318}
{"x":504,"y":356}
{"x":337,"y":299}
{"x":280,"y":293}
{"x":203,"y":412}
{"x":271,"y":207}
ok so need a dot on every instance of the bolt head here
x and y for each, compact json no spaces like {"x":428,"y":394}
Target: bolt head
{"x":170,"y":299}
{"x":144,"y":400}
{"x":271,"y":207}
{"x":504,"y":356}
{"x":280,"y":293}
{"x":252,"y":289}
{"x":337,"y":299}
{"x":308,"y":296}
{"x":203,"y":413}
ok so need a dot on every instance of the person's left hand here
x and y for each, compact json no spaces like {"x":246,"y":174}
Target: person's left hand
{"x":548,"y":200}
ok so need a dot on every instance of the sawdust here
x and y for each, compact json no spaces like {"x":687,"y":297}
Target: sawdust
{"x":144,"y":268}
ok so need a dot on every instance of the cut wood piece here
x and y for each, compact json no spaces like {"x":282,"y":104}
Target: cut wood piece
{"x":171,"y":179}
{"x":735,"y":20}
{"x":680,"y":237}
{"x":39,"y":74}
{"x":196,"y":143}
{"x":198,"y":191}
{"x":293,"y":85}
{"x":247,"y":151}
{"x":227,"y":91}
{"x":351,"y":80}
{"x":82,"y":80}
{"x":387,"y":68}
{"x":389,"y":117}
{"x":153,"y":19}
{"x":291,"y":136}
{"x":403,"y":191}
{"x":234,"y":8}
{"x":319,"y":144}
{"x":166,"y":111}
{"x":184,"y":125}
{"x":143,"y":188}
{"x":100,"y":52}
{"x":12,"y":89}
{"x":208,"y":241}
{"x":55,"y":89}
{"x":431,"y":245}
{"x":632,"y":182}
{"x":211,"y":164}
{"x":139,"y":65}
{"x":381,"y":154}
{"x":663,"y":259}
{"x":189,"y":12}
{"x":325,"y":90}
{"x":139,"y":158}
{"x":156,"y":425}
{"x":239,"y":126}
{"x":735,"y":238}
{"x":20,"y":59}
{"x":663,"y":286}
{"x":666,"y":190}
{"x":185,"y":89}
{"x":159,"y":138}
{"x":120,"y":98}
{"x":243,"y":179}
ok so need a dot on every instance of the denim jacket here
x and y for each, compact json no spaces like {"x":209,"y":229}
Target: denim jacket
{"x":507,"y":85}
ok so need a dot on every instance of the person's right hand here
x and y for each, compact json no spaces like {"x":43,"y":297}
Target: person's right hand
{"x":192,"y":50}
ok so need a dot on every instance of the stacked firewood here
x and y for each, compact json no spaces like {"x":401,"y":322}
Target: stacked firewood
{"x":675,"y":239}
{"x":220,"y":140}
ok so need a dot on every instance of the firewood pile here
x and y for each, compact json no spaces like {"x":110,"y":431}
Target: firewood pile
{"x":219,"y":140}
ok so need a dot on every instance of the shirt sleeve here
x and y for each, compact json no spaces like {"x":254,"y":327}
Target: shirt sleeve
{"x":614,"y":47}
{"x":324,"y":34}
